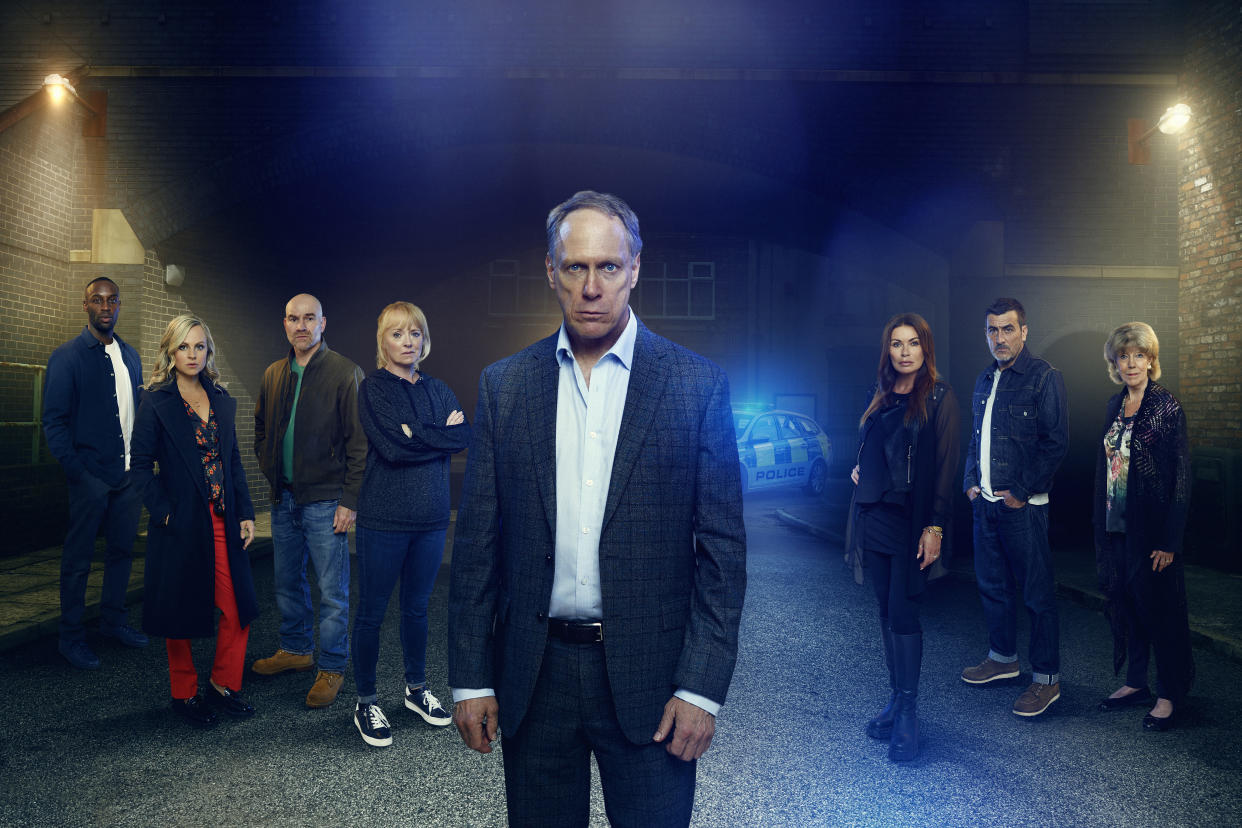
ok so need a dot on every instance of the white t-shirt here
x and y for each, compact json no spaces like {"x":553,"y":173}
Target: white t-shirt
{"x":124,"y":394}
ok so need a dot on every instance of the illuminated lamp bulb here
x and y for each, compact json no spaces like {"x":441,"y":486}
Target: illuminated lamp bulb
{"x":1174,"y":119}
{"x":57,"y":85}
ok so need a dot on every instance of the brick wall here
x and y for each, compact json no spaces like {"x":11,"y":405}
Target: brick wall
{"x":1210,"y":227}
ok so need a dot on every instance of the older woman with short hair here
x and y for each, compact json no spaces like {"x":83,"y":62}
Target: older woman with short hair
{"x":414,"y":424}
{"x":1142,"y":494}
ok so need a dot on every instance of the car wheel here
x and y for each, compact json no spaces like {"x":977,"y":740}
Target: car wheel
{"x":817,"y":479}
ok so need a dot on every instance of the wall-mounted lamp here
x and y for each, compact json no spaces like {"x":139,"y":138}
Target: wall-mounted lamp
{"x":174,"y":275}
{"x":57,"y":86}
{"x":1173,"y":121}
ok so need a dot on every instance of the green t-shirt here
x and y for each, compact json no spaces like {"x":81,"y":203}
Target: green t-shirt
{"x":286,"y":448}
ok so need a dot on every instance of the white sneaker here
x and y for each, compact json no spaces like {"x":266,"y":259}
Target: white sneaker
{"x":428,"y":706}
{"x":372,"y":725}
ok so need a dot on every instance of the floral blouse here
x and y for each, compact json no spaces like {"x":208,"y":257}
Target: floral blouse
{"x":1117,"y":456}
{"x":207,"y":435}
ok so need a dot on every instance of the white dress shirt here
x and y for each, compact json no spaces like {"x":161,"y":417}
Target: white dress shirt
{"x":588,"y":423}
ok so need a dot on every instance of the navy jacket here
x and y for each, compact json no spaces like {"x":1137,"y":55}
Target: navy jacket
{"x":1030,"y":426}
{"x":406,"y":485}
{"x":180,"y":586}
{"x":81,"y":419}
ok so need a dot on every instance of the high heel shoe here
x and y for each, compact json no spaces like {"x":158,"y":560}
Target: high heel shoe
{"x":1137,"y":697}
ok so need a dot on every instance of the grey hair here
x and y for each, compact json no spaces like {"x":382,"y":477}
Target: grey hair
{"x":1132,"y":335}
{"x":609,"y":205}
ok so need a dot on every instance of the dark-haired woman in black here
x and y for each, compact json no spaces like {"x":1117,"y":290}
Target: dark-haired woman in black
{"x":907,"y":464}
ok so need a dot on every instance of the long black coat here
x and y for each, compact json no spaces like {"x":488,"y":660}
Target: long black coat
{"x":179,"y":600}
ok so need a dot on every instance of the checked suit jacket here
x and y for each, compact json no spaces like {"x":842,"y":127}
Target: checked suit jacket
{"x":672,"y":550}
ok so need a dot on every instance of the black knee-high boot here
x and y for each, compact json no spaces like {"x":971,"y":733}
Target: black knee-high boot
{"x":881,"y":727}
{"x":908,"y":659}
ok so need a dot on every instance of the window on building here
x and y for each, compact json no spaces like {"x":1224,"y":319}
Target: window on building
{"x":679,"y":294}
{"x":513,"y":293}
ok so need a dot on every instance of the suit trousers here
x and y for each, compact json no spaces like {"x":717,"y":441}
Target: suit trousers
{"x":572,"y":715}
{"x":230,"y":636}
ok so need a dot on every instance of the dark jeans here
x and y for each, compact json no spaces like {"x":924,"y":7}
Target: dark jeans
{"x":384,"y":559}
{"x":94,"y":504}
{"x":1012,"y":552}
{"x":1154,"y":608}
{"x":548,"y":761}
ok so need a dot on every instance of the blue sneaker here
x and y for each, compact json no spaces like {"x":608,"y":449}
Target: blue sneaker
{"x":79,"y":655}
{"x":372,"y":724}
{"x":428,"y":706}
{"x":125,"y":634}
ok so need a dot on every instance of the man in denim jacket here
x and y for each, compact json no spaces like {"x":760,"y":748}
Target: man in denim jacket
{"x":1018,"y":440}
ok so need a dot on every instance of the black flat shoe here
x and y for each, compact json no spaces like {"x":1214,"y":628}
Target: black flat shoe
{"x":1134,"y":698}
{"x":231,"y":703}
{"x":1158,"y":725}
{"x":195,"y":711}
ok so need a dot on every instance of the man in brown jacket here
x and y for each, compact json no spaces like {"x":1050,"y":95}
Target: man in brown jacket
{"x":313,"y":451}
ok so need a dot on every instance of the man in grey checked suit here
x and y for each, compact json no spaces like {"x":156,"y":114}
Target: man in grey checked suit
{"x":599,"y":561}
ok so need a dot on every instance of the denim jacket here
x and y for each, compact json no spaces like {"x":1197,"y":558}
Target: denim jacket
{"x":1030,"y":426}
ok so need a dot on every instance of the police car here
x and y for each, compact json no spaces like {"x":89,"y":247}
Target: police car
{"x":781,"y":448}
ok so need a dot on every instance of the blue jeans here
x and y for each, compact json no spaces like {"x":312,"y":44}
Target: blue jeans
{"x":414,"y":559}
{"x":1012,"y":551}
{"x":298,"y":533}
{"x":94,"y":504}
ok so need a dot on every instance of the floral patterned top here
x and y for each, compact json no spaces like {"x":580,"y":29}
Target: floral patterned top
{"x":1117,"y":456}
{"x":207,"y":435}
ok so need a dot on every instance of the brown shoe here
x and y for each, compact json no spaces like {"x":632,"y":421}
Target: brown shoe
{"x":324,"y":690}
{"x":282,"y":662}
{"x":989,"y":670}
{"x":1036,"y":699}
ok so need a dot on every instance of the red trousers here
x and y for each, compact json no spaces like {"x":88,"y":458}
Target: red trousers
{"x":230,"y":637}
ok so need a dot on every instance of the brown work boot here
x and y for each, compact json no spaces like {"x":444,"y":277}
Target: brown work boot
{"x":989,"y":670}
{"x":1036,"y":699}
{"x":282,"y":662}
{"x":324,"y":690}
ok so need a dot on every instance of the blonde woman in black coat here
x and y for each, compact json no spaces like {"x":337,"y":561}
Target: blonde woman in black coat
{"x":202,"y":521}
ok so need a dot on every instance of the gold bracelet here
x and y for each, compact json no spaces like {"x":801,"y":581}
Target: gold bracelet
{"x":935,"y":530}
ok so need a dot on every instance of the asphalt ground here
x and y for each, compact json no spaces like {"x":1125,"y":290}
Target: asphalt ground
{"x":102,"y":748}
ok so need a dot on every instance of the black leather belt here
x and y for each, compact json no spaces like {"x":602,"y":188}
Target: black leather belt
{"x":576,"y":632}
